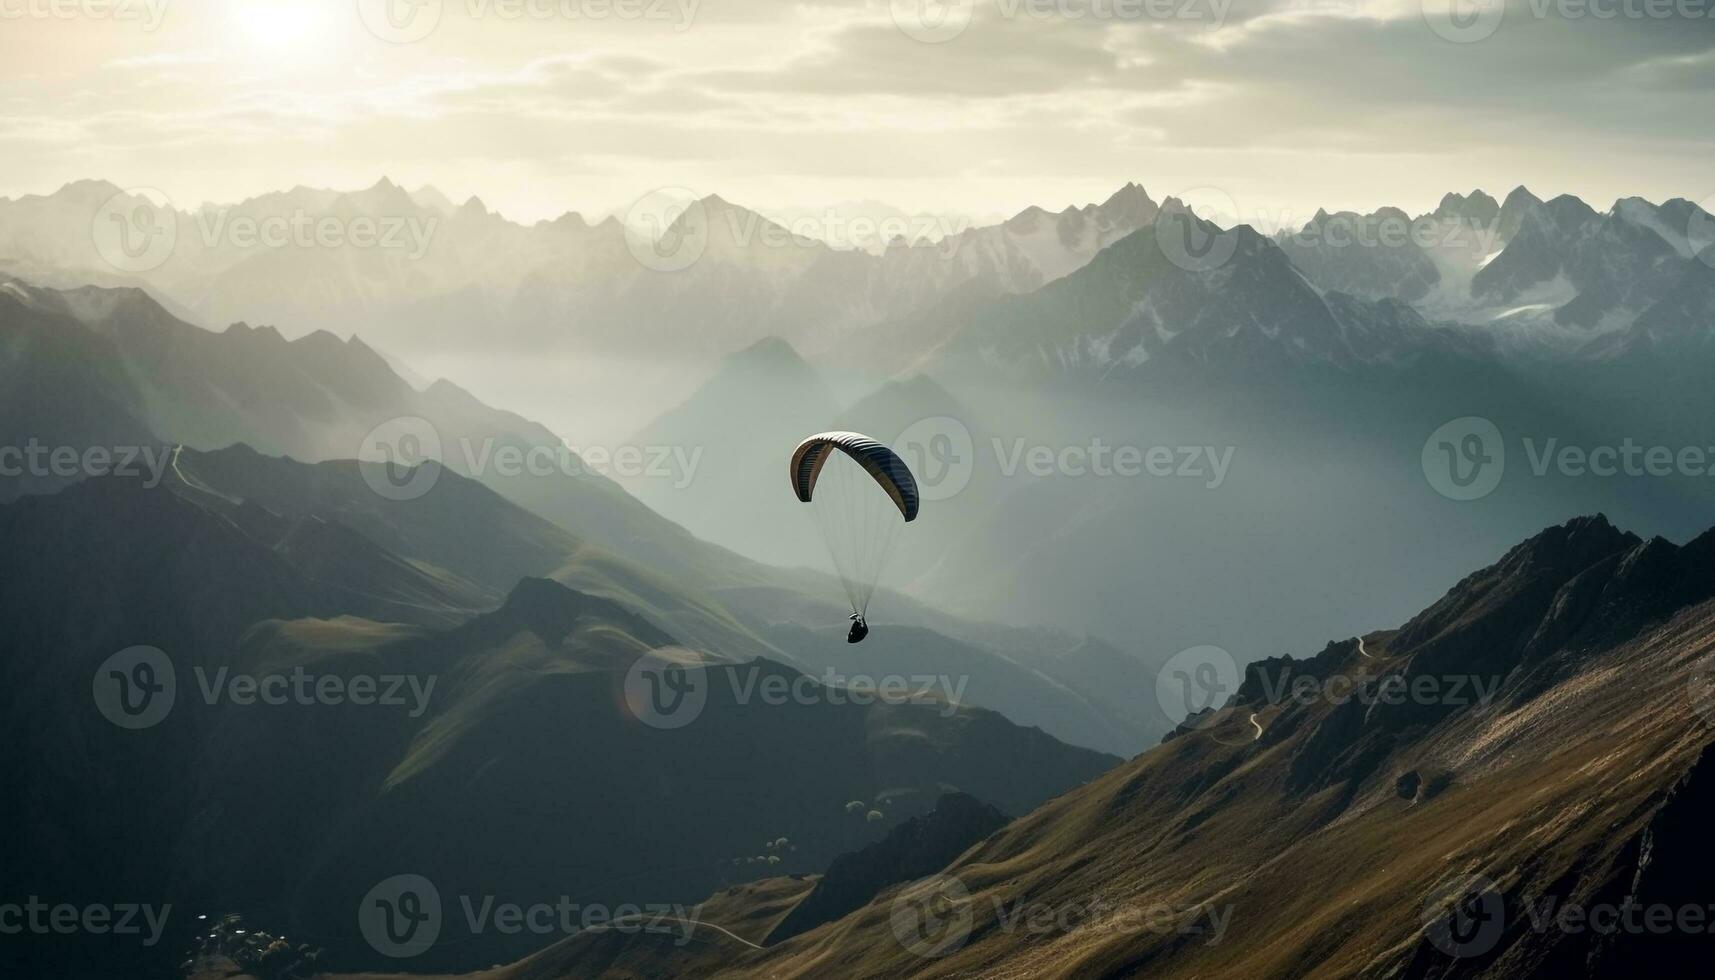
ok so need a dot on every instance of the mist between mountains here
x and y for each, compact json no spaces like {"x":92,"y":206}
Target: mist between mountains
{"x":401,"y":458}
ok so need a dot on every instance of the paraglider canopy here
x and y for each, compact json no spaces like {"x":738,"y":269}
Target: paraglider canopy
{"x":861,"y":493}
{"x":882,"y":463}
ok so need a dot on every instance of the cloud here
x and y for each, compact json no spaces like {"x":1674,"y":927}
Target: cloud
{"x":1304,"y":94}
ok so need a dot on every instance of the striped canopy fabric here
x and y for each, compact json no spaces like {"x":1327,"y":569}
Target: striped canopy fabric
{"x":881,"y":462}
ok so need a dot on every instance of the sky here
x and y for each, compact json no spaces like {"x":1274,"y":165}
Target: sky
{"x":976,"y":107}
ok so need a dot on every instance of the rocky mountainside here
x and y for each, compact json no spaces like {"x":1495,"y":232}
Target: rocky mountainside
{"x":1467,"y":795}
{"x":1188,"y":296}
{"x":915,"y":849}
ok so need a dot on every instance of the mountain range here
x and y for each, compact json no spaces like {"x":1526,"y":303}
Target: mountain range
{"x":238,"y":568}
{"x":308,"y":507}
{"x":1317,"y":824}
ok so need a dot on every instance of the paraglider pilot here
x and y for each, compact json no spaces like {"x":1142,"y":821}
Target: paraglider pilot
{"x":856,"y":515}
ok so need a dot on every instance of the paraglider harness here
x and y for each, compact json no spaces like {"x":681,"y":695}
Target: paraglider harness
{"x":860,"y":629}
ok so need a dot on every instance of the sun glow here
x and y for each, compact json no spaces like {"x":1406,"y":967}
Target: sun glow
{"x":278,"y":26}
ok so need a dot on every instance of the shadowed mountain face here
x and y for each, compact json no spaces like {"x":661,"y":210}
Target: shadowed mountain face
{"x":914,"y":849}
{"x":340,"y":711}
{"x":1462,"y":796}
{"x":144,"y":377}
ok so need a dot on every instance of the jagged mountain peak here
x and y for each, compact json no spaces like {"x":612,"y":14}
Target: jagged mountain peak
{"x":1520,"y":196}
{"x":1130,"y":195}
{"x":430,"y":197}
{"x":384,"y":197}
{"x":1569,"y":211}
{"x":770,"y":348}
{"x":1506,"y":602}
{"x":1476,"y":206}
